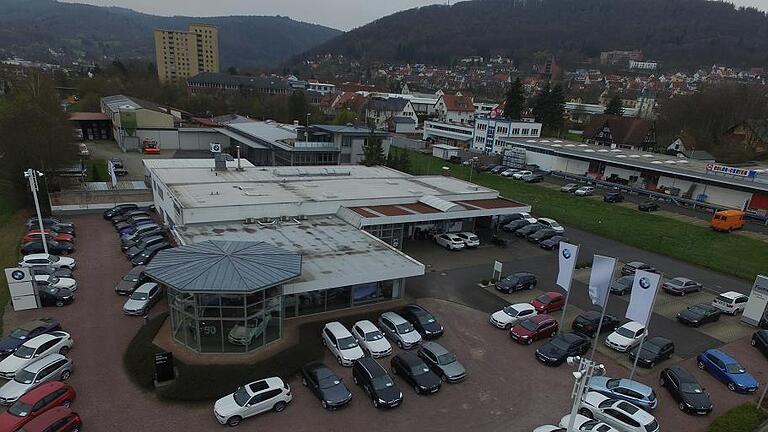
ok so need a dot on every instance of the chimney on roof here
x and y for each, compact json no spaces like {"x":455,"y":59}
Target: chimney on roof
{"x":220,"y":162}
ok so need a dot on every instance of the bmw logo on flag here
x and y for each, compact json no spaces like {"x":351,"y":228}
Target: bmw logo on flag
{"x":17,"y":275}
{"x":645,"y":283}
{"x":567,"y":253}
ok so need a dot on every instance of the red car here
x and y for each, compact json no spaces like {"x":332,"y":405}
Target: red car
{"x":59,"y":419}
{"x":548,"y":302}
{"x":151,"y":147}
{"x":35,"y":403}
{"x":535,"y":328}
{"x":35,"y":235}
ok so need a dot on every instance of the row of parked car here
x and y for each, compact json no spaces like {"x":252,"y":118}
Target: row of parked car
{"x":612,"y":196}
{"x":59,"y":236}
{"x":35,"y":364}
{"x":545,"y":232}
{"x":140,"y":236}
{"x":525,"y":175}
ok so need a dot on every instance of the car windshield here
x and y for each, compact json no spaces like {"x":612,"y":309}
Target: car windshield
{"x":735,"y":368}
{"x":382,"y":382}
{"x":446,"y":358}
{"x":19,"y":334}
{"x":651,"y":348}
{"x":241,"y":396}
{"x":24,"y":377}
{"x":511,"y":311}
{"x":677,"y":282}
{"x":347,"y":342}
{"x":623,"y":331}
{"x":419,"y":370}
{"x":691,"y":388}
{"x":560,"y":343}
{"x":24,"y":352}
{"x":404,"y":328}
{"x":529,"y":325}
{"x":329,"y":382}
{"x":697,"y":310}
{"x":425,"y":318}
{"x":652,"y":426}
{"x":590,"y":425}
{"x":138,"y":296}
{"x":53,"y":280}
{"x":545,"y":299}
{"x":373,"y":336}
{"x":512,"y":280}
{"x":54,"y":258}
{"x":20,"y":409}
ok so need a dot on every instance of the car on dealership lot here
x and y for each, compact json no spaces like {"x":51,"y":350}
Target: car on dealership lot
{"x":47,"y":260}
{"x":498,"y":169}
{"x":510,"y":315}
{"x":131,"y":280}
{"x":516,"y":282}
{"x":699,"y":314}
{"x":442,"y":362}
{"x":515,"y":225}
{"x":551,"y":223}
{"x":125,"y":229}
{"x":622,"y":285}
{"x":542,"y":235}
{"x":341,"y":343}
{"x":681,"y":285}
{"x":61,"y":272}
{"x":760,"y":341}
{"x":35,"y":403}
{"x":141,"y":232}
{"x":471,"y":240}
{"x":52,"y":296}
{"x":52,"y":367}
{"x":131,"y":220}
{"x":583,"y":423}
{"x":450,"y":241}
{"x":271,"y":394}
{"x":648,"y":206}
{"x":55,"y":224}
{"x":143,"y":245}
{"x":533,"y":178}
{"x":27,"y":331}
{"x":377,"y":383}
{"x":37,"y":235}
{"x":728,"y":370}
{"x":570,"y":187}
{"x":516,"y":217}
{"x":54,"y":247}
{"x":631,"y":267}
{"x":42,"y":281}
{"x":548,"y":302}
{"x":531,"y":329}
{"x":509,"y":172}
{"x":731,"y":302}
{"x":59,"y":419}
{"x":613,"y":197}
{"x":325,"y":385}
{"x":652,"y":351}
{"x":118,"y":210}
{"x":33,"y":349}
{"x":142,"y":299}
{"x":520,"y":174}
{"x":243,"y":333}
{"x":422,"y":320}
{"x":528,"y":230}
{"x":683,"y":386}
{"x":399,"y":330}
{"x":584,"y":191}
{"x":553,"y":242}
{"x":620,"y":414}
{"x":559,"y":348}
{"x":371,"y":339}
{"x":626,"y":336}
{"x":125,"y":216}
{"x":146,"y":256}
{"x":412,"y":369}
{"x":586,"y":323}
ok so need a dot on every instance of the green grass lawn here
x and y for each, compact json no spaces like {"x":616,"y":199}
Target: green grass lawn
{"x":97,"y":170}
{"x":731,"y":254}
{"x":743,"y":418}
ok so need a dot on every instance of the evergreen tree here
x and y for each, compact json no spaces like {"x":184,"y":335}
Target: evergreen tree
{"x":514,"y":100}
{"x":298,"y":106}
{"x":373,"y":151}
{"x":540,"y":102}
{"x":403,"y":160}
{"x":614,"y":107}
{"x":556,"y":108}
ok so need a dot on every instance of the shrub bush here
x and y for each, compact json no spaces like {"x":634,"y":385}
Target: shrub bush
{"x":139,"y":358}
{"x":743,"y":418}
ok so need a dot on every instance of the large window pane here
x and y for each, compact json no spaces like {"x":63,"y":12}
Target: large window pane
{"x":256,"y":297}
{"x":311,"y":302}
{"x":210,"y":335}
{"x":235,"y":334}
{"x":272,"y":332}
{"x":289,"y":306}
{"x":365,"y":293}
{"x":337,"y":298}
{"x":255,"y":309}
{"x":232,"y":300}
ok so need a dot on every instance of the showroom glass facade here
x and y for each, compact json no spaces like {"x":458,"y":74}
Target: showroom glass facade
{"x":313,"y":302}
{"x":226,"y":323}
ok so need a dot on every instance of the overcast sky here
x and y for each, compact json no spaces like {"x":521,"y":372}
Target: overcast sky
{"x":340,"y":14}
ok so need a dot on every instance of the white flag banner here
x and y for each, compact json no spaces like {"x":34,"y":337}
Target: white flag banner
{"x":111,"y":170}
{"x":643,"y":292}
{"x":600,"y":278}
{"x":568,"y":253}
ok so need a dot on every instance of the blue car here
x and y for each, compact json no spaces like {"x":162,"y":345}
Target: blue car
{"x":625,"y":389}
{"x":728,"y":370}
{"x":25,"y":332}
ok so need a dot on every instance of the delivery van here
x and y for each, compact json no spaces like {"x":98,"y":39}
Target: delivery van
{"x":727,"y":220}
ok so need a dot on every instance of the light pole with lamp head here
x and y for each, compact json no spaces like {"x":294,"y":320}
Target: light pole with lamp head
{"x":586,"y":369}
{"x":472,"y":163}
{"x":306,"y":132}
{"x":32,"y":176}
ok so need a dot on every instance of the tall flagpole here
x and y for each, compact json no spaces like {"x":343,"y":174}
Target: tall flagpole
{"x":568,"y":291}
{"x":647,"y":327}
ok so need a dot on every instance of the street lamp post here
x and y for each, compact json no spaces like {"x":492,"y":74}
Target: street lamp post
{"x":585,"y":371}
{"x":306,"y":131}
{"x":472,"y":163}
{"x":32,"y":176}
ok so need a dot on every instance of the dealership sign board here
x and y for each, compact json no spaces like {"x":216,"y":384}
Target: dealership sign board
{"x":734,"y":171}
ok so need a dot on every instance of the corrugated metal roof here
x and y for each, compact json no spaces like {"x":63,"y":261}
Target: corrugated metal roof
{"x":224,"y":266}
{"x":440,"y":204}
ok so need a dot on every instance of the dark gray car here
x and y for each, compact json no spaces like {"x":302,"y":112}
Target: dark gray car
{"x":442,"y":362}
{"x":529,"y":229}
{"x":131,"y":280}
{"x":622,"y":285}
{"x":61,"y":272}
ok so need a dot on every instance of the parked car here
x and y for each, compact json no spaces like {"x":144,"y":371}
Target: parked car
{"x":131,"y":281}
{"x":728,"y":370}
{"x":25,"y":332}
{"x":509,"y":172}
{"x":625,"y":336}
{"x":553,"y":242}
{"x":43,"y":281}
{"x":727,"y":220}
{"x":516,"y":282}
{"x":584,"y":191}
{"x":55,"y":224}
{"x":531,"y":329}
{"x":341,"y":343}
{"x":423,"y":321}
{"x":126,"y":229}
{"x":562,"y":346}
{"x":371,"y":339}
{"x":551,"y":223}
{"x":731,"y":302}
{"x":442,"y":362}
{"x":583,"y":423}
{"x":150,"y":148}
{"x":570,"y":187}
{"x":143,"y":245}
{"x":124,"y":216}
{"x":520,"y":174}
{"x":648,"y":206}
{"x":399,"y":330}
{"x":699,"y":314}
{"x":325,"y":385}
{"x":54,"y":247}
{"x":59,"y":419}
{"x":498,"y":169}
{"x":61,"y":272}
{"x":686,"y":390}
{"x":119,"y":209}
{"x":548,"y":302}
{"x":653,"y":351}
{"x":623,"y":285}
{"x":586,"y":323}
{"x":528,"y":230}
{"x":630,"y":268}
{"x":533,"y":178}
{"x":516,"y":217}
{"x":244,"y":333}
{"x":515,"y":225}
{"x":142,"y":299}
{"x":37,"y":235}
{"x":33,"y":349}
{"x":760,"y":341}
{"x":52,"y":296}
{"x":450,"y":241}
{"x":613,"y":197}
{"x":378,"y":385}
{"x":146,"y":256}
{"x":542,"y":235}
{"x":141,"y":232}
{"x":36,"y":402}
{"x":624,"y":389}
{"x":49,"y":368}
{"x":512,"y":314}
{"x":681,"y":285}
{"x":271,"y":394}
{"x":47,"y":260}
{"x":470,"y":239}
{"x":620,"y":414}
{"x":415,"y":372}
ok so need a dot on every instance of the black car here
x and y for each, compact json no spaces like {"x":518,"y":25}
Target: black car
{"x":562,"y":346}
{"x":54,"y":247}
{"x":146,"y":256}
{"x":498,"y":169}
{"x":423,"y":321}
{"x":541,"y":235}
{"x":60,"y":228}
{"x":630,"y":268}
{"x":516,"y":282}
{"x":688,"y":393}
{"x":699,"y":314}
{"x":533,"y":178}
{"x":648,"y":206}
{"x":143,"y":245}
{"x":378,"y":385}
{"x":622,"y":285}
{"x":529,"y":229}
{"x":760,"y":341}
{"x":613,"y":197}
{"x":553,"y":242}
{"x":442,"y":362}
{"x":131,"y":281}
{"x":133,"y":221}
{"x":123,"y":217}
{"x":25,"y":332}
{"x":587,"y":322}
{"x":51,"y":271}
{"x":325,"y":385}
{"x":654,"y":350}
{"x":51,"y":296}
{"x":118,"y":210}
{"x":129,"y":241}
{"x":515,"y":225}
{"x":415,"y":372}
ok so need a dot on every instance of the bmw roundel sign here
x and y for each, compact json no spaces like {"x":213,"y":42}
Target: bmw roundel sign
{"x":566,"y":253}
{"x":644,"y":283}
{"x":18,"y":275}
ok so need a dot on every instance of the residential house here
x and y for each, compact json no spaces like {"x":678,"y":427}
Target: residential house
{"x":621,"y":132}
{"x":455,"y":109}
{"x":379,"y":111}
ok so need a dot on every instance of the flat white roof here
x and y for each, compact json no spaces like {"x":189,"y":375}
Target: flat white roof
{"x":175,"y":164}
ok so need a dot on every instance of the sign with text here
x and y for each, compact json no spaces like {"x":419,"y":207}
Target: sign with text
{"x":164,"y":367}
{"x":734,"y":171}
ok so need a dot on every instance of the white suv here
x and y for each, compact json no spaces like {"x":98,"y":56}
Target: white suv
{"x":33,"y":349}
{"x":625,"y":337}
{"x":400,"y":330}
{"x":470,"y":239}
{"x":270,"y":394}
{"x":731,"y":302}
{"x":371,"y":339}
{"x":35,"y":260}
{"x":620,"y":414}
{"x":584,"y":191}
{"x":551,"y":223}
{"x":510,"y":315}
{"x":450,"y":241}
{"x":341,"y":343}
